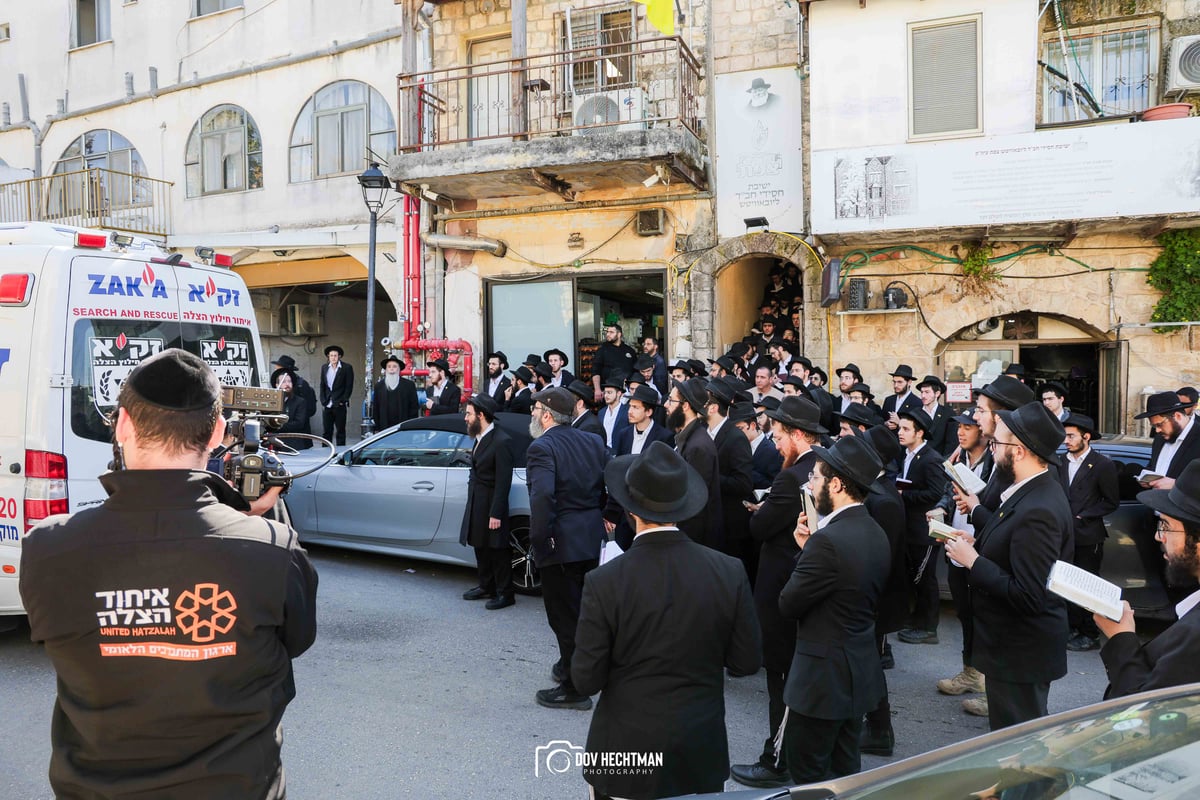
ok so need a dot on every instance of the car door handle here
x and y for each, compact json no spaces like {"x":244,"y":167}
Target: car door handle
{"x":423,"y":486}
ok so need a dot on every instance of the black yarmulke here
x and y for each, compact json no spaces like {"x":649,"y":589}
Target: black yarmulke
{"x":175,"y":380}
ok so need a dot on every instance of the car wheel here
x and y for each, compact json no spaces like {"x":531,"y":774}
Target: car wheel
{"x":524,"y":574}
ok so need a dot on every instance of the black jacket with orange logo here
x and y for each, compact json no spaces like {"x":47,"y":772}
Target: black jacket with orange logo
{"x":172,"y":620}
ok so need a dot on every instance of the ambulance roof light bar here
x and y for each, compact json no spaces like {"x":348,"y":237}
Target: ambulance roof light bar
{"x":211,"y":257}
{"x":91,"y":241}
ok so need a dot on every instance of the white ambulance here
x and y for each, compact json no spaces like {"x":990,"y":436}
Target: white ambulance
{"x":79,"y":309}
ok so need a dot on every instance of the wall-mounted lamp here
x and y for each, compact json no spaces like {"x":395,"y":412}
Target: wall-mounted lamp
{"x":756,"y":222}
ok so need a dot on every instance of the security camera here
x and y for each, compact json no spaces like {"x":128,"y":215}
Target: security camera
{"x":987,"y":325}
{"x":385,"y":341}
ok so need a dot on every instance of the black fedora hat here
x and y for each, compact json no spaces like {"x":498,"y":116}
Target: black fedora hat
{"x":918,"y":417}
{"x":1015,"y":370}
{"x":1008,"y":392}
{"x":1181,"y":501}
{"x":805,"y":360}
{"x":799,"y":412}
{"x":484,"y":403}
{"x":556,"y":399}
{"x":854,"y":458}
{"x":1052,"y":386}
{"x":903,"y":371}
{"x":543,"y":369}
{"x":1036,"y":428}
{"x":390,"y":359}
{"x":742,"y":412}
{"x":857,"y":414}
{"x":287,"y":362}
{"x":934,"y":381}
{"x":1084,"y":423}
{"x":681,"y":364}
{"x":523,"y":374}
{"x":335,"y":348}
{"x":277,"y":373}
{"x":554,"y":351}
{"x":532,"y":360}
{"x":862,"y":388}
{"x":646,"y":396}
{"x":657,"y":484}
{"x":581,"y":390}
{"x":852,"y":368}
{"x":611,"y":383}
{"x":643,"y":362}
{"x":738,"y":349}
{"x":768,"y":403}
{"x":722,"y":390}
{"x":694,"y":392}
{"x":886,"y":445}
{"x":1161,"y":404}
{"x":499,"y":355}
{"x":698,"y":368}
{"x":820,"y":373}
{"x":440,"y":363}
{"x":725,"y":363}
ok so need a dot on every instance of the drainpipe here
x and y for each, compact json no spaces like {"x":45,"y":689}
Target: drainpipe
{"x":480,"y":243}
{"x":39,"y":134}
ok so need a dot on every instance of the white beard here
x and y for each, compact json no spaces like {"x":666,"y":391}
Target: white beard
{"x":392,"y":381}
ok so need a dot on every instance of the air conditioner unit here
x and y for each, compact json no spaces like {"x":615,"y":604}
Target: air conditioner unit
{"x":268,"y":322}
{"x":1184,"y":72}
{"x":599,"y":110}
{"x":305,"y":320}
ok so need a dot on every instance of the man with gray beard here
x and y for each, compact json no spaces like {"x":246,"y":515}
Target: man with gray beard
{"x":395,"y":396}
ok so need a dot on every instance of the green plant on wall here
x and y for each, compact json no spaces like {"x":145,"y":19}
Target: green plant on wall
{"x":1176,"y":273}
{"x":980,"y":276}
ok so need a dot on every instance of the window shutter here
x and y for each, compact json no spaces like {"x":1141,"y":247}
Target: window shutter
{"x":945,"y":78}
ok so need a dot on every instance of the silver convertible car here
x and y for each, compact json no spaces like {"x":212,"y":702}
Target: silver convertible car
{"x":403,"y":491}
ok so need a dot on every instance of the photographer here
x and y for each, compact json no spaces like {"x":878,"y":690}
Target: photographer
{"x":296,"y":408}
{"x":170,"y":615}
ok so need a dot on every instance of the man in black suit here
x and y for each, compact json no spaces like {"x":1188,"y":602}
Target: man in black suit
{"x":1173,"y":657}
{"x":633,"y":439}
{"x":847,"y":376}
{"x":735,"y":464}
{"x":941,"y":418}
{"x":1176,"y":443}
{"x":337,"y":384}
{"x":557,"y":359}
{"x":498,"y":383}
{"x":565,"y":475}
{"x":765,"y":461}
{"x":658,"y":628}
{"x":485,"y":516}
{"x":796,"y":429}
{"x":685,"y":405}
{"x":300,"y":387}
{"x":835,"y":675}
{"x":1020,"y":627}
{"x":520,"y":400}
{"x":614,"y":414}
{"x":395,"y":396}
{"x":1090,"y":480}
{"x":443,"y":396}
{"x":921,"y":483}
{"x":902,"y":396}
{"x":583,"y":418}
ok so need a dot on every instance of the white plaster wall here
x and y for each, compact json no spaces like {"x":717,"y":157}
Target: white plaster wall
{"x":859,"y":67}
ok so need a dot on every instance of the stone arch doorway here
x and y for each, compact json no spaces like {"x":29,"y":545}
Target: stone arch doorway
{"x":1050,"y":348}
{"x":727,"y":283}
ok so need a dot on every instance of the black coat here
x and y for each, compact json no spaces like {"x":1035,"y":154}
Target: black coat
{"x":658,"y":627}
{"x":565,"y":474}
{"x":947,"y":504}
{"x":942,"y":436}
{"x":735,"y":462}
{"x":487,"y":491}
{"x":296,"y":408}
{"x":1188,"y":452}
{"x":911,"y":401}
{"x":393,"y":406}
{"x":989,"y":497}
{"x":1020,"y":627}
{"x":698,"y":450}
{"x":1170,"y":659}
{"x":826,"y":403}
{"x":498,"y":395}
{"x":305,"y":390}
{"x":448,"y":401}
{"x":765,"y":463}
{"x":589,"y":423}
{"x":832,"y":594}
{"x":773,"y":525}
{"x":623,"y":446}
{"x":343,"y":385}
{"x":886,"y":507}
{"x":522,"y":401}
{"x":1092,"y":495}
{"x":928,"y":485}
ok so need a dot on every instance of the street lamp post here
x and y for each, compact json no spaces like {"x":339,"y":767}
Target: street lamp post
{"x":375,"y":186}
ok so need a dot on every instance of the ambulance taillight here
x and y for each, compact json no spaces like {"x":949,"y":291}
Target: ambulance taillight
{"x":45,"y":486}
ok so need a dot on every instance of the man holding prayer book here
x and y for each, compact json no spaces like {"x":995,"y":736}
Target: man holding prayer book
{"x":1173,"y":657}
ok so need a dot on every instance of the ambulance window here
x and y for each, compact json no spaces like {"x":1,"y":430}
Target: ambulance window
{"x":229,"y":350}
{"x":103,"y":353}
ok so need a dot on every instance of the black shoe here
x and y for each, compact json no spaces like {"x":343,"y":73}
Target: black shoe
{"x":503,"y":601}
{"x":559,"y":673}
{"x":887,"y":659}
{"x":917,"y":636}
{"x":562,"y":697}
{"x":877,"y":741}
{"x":478,"y":593}
{"x":1081,"y":642}
{"x":759,"y":776}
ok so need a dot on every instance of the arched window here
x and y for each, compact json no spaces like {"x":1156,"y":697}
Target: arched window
{"x":113,"y":166}
{"x":224,"y":153}
{"x":102,"y":149}
{"x":336,"y":127}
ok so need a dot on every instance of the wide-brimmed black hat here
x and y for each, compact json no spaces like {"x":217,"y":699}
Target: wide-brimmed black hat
{"x":175,"y":380}
{"x":1188,"y":394}
{"x":1036,"y":428}
{"x":920,"y":418}
{"x":886,"y":445}
{"x":767,"y":402}
{"x":287,"y":362}
{"x":694,"y":392}
{"x":903,"y":371}
{"x":543,"y":369}
{"x":523,"y":374}
{"x":581,"y":390}
{"x":722,"y":390}
{"x":1015,"y":370}
{"x":769,"y":320}
{"x":1008,"y":392}
{"x":281,"y":371}
{"x":1181,"y":501}
{"x":440,"y":363}
{"x":852,"y":458}
{"x":657,"y":484}
{"x":646,"y":396}
{"x":820,"y":373}
{"x":698,"y":368}
{"x":1161,"y":404}
{"x":335,"y":348}
{"x":799,"y":412}
{"x":499,"y":354}
{"x":857,"y":414}
{"x":682,"y":364}
{"x":484,"y":403}
{"x":1052,"y":386}
{"x":390,"y":359}
{"x":805,"y":360}
{"x":532,"y":360}
{"x":934,"y":381}
{"x":738,"y":349}
{"x":612,"y":383}
{"x":643,"y":362}
{"x":1084,"y":423}
{"x":725,"y":363}
{"x":554,"y":351}
{"x":556,"y":399}
{"x":863,"y":388}
{"x":743,"y":412}
{"x":851,"y":368}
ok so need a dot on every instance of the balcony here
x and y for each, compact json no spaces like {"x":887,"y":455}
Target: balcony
{"x":91,"y":198}
{"x":566,"y":122}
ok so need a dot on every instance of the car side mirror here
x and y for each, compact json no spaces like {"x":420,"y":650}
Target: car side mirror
{"x":346,"y":459}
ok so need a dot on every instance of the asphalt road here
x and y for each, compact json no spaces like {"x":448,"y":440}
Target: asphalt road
{"x":410,"y":691}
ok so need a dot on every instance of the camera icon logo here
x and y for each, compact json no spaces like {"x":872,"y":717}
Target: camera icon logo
{"x":555,"y":758}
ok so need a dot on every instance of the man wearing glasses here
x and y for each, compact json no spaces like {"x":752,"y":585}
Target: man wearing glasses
{"x":1176,"y":444}
{"x":1173,"y":657}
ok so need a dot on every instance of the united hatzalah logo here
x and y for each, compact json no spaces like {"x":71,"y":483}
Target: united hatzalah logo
{"x":205,"y":611}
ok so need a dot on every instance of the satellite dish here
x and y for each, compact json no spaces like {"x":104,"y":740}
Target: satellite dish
{"x":597,"y":110}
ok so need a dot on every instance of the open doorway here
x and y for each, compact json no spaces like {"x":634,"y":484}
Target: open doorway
{"x":744,"y":286}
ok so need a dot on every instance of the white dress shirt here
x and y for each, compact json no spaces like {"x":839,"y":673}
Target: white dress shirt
{"x":908,"y":459}
{"x":640,"y":438}
{"x":714,"y":430}
{"x":1073,"y":463}
{"x":826,"y":520}
{"x":1187,"y":604}
{"x":609,"y":420}
{"x":1170,"y":449}
{"x":1010,"y":491}
{"x":330,"y":375}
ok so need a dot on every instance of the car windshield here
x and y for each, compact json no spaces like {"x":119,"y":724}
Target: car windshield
{"x":1144,"y":749}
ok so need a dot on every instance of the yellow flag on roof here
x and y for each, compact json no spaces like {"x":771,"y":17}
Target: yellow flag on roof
{"x":661,"y":14}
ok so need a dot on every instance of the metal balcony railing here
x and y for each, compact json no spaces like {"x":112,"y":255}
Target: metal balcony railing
{"x":91,"y":198}
{"x":625,"y":85}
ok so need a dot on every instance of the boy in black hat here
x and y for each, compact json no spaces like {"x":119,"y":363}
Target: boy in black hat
{"x":152,"y":682}
{"x":443,"y":396}
{"x":1173,"y":657}
{"x":337,"y":384}
{"x":395,"y":397}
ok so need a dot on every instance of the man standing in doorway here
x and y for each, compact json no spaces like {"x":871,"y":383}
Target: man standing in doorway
{"x":1054,"y":396}
{"x":613,"y":361}
{"x":337,"y":384}
{"x":485,"y":517}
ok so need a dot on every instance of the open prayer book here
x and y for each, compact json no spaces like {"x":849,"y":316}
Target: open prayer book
{"x":962,"y":477}
{"x":1146,"y":476}
{"x":810,"y":510}
{"x":1085,"y":589}
{"x":940,"y":530}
